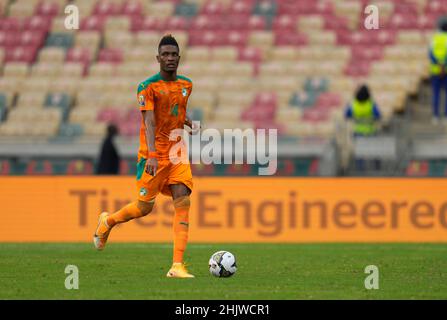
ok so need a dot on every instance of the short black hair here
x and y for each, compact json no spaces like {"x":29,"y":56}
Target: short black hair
{"x":363,"y":93}
{"x":168,"y":40}
{"x":444,"y":26}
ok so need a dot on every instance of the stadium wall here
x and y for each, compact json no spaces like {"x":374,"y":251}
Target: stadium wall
{"x":62,"y":209}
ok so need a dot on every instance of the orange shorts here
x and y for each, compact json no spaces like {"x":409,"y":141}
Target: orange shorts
{"x":167,"y":173}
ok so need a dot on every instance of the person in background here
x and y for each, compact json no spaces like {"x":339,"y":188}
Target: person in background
{"x":109,"y":159}
{"x":438,"y":59}
{"x":365,"y":114}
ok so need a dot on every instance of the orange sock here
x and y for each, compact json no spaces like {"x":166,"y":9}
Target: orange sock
{"x":129,"y":212}
{"x":180,"y":226}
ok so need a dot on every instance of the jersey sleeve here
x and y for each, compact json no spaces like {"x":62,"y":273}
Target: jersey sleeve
{"x":145,"y":97}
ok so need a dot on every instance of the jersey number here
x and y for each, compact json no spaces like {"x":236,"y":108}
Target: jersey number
{"x":174,"y":110}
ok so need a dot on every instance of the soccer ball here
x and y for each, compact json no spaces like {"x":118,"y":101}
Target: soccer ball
{"x":222,"y":264}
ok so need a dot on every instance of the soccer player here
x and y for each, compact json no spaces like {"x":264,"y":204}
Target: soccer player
{"x":162,"y":100}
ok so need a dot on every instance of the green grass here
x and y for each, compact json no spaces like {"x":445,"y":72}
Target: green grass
{"x":265,"y":271}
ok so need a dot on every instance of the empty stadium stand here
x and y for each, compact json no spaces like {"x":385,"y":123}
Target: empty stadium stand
{"x":287,"y":64}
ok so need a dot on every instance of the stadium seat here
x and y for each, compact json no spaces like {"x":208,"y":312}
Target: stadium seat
{"x":60,"y":39}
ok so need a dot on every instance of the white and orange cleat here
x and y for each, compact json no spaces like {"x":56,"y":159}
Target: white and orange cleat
{"x":102,"y":232}
{"x":178,"y":270}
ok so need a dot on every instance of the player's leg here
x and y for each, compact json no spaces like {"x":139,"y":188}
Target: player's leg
{"x":147,"y":187}
{"x":136,"y":209}
{"x":436,"y":83}
{"x":180,"y":195}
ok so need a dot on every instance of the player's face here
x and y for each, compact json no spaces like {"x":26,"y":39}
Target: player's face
{"x":169,"y":58}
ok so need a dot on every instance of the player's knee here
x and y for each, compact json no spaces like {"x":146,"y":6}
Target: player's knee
{"x":145,"y":207}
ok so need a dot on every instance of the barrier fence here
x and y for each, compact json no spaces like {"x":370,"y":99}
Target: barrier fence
{"x":64,"y":209}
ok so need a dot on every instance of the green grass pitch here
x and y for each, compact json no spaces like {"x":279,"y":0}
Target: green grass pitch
{"x":265,"y":271}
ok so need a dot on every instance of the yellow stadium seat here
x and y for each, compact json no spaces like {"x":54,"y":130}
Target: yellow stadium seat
{"x":308,"y":23}
{"x":159,"y":9}
{"x":22,"y":8}
{"x":224,"y":54}
{"x":46,"y":69}
{"x":148,"y":39}
{"x":31,"y":99}
{"x":52,"y":54}
{"x":16,"y":70}
{"x":34,"y":84}
{"x":261,"y":39}
{"x":83,"y":115}
{"x":10,"y":85}
{"x":97,"y":129}
{"x":197,"y":54}
{"x":72,"y":70}
{"x":64,"y":85}
{"x":120,"y":23}
{"x":286,"y":53}
{"x":119,"y":39}
{"x":102,"y":70}
{"x":322,"y":38}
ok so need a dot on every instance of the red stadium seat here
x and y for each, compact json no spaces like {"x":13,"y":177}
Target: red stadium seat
{"x":106,"y":8}
{"x":257,"y":23}
{"x":428,"y":21}
{"x":32,"y":38}
{"x":79,"y":55}
{"x":204,"y":22}
{"x":129,"y":129}
{"x":336,"y":23}
{"x":176,"y":23}
{"x":243,"y":7}
{"x":148,"y":23}
{"x":10,"y":24}
{"x":132,"y":8}
{"x":290,"y":39}
{"x":203,"y":38}
{"x":109,"y":115}
{"x":366,"y":52}
{"x":213,"y":9}
{"x":47,"y":9}
{"x":328,"y":100}
{"x":237,"y":22}
{"x":284,"y":23}
{"x":82,"y":55}
{"x":357,"y":68}
{"x":37,"y":23}
{"x":9,"y":39}
{"x":235,"y":38}
{"x":250,"y":54}
{"x":95,"y":23}
{"x":315,"y":115}
{"x":114,"y":55}
{"x":25,"y":54}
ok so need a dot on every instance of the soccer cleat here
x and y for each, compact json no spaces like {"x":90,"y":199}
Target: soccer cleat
{"x":102,"y":231}
{"x":178,"y":270}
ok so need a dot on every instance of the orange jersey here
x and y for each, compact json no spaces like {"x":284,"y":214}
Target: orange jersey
{"x":168,"y":100}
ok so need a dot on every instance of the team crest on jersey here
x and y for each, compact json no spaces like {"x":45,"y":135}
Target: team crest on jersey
{"x":141,"y":100}
{"x":143,"y":191}
{"x":184,"y":92}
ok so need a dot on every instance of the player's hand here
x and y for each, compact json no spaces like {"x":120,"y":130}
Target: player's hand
{"x":151,"y":166}
{"x":195,"y":127}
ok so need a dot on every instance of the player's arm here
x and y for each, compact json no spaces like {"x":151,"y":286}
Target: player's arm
{"x":147,"y":104}
{"x":149,"y":124}
{"x":193,"y":125}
